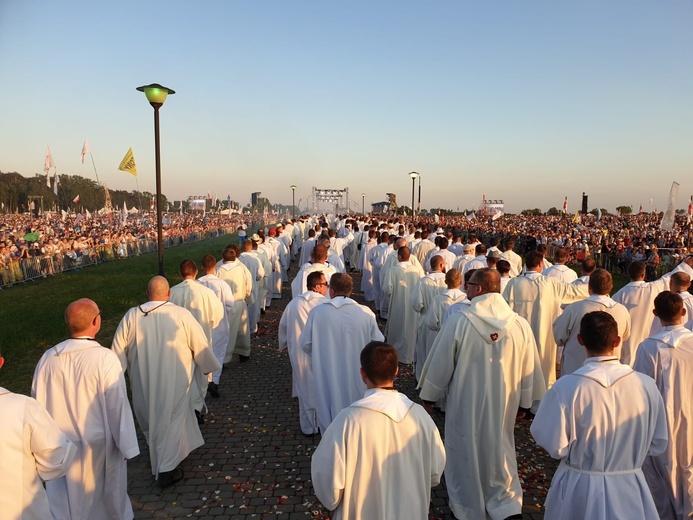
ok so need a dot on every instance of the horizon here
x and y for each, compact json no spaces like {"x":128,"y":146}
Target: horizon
{"x":527,"y":102}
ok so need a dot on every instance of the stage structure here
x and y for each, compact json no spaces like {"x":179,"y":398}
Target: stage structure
{"x":334,"y":199}
{"x":491,"y":206}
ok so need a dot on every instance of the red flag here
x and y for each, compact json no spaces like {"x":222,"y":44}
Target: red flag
{"x":565,"y":205}
{"x":76,"y":199}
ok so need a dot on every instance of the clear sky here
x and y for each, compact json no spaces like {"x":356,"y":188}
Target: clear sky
{"x":526,"y":101}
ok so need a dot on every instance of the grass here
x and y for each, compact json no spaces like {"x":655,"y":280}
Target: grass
{"x":31,"y":314}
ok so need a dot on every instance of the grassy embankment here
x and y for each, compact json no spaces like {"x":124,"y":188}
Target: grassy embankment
{"x":31,"y":314}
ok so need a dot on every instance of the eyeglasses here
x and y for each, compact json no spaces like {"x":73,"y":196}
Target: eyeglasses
{"x":472,"y":283}
{"x":97,"y":315}
{"x":326,"y":284}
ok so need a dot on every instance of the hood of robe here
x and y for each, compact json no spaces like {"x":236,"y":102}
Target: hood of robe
{"x":603,"y":299}
{"x":605,"y":370}
{"x":491,"y":316}
{"x":673,"y":335}
{"x":454,"y":294}
{"x":388,"y":402}
{"x":311,"y":295}
{"x":340,"y":301}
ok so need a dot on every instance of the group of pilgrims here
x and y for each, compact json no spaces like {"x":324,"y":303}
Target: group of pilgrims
{"x":492,"y":337}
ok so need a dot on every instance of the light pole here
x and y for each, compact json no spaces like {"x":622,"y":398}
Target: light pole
{"x":156,"y":95}
{"x":413,"y":176}
{"x":418,"y":204}
{"x":293,"y":201}
{"x":363,"y":204}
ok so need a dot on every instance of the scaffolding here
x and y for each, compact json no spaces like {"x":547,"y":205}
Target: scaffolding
{"x":334,"y":198}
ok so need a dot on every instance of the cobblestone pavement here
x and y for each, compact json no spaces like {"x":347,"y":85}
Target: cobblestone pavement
{"x":256,"y":462}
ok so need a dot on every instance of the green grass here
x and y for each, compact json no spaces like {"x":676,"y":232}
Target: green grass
{"x":31,"y":314}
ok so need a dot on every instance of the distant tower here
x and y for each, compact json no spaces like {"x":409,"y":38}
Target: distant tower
{"x":107,"y":206}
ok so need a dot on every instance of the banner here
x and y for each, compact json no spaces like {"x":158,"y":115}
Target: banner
{"x":128,"y":163}
{"x":197,"y":204}
{"x":667,"y":223}
{"x":85,"y":150}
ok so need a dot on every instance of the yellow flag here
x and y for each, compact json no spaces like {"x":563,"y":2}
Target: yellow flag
{"x":128,"y":163}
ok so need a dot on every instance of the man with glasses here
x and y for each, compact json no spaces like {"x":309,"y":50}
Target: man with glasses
{"x":82,"y":386}
{"x":290,"y":326}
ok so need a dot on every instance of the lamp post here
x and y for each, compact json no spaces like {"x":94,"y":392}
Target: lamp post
{"x":413,"y":176}
{"x":156,"y":95}
{"x":418,"y":204}
{"x":363,"y":204}
{"x":293,"y":201}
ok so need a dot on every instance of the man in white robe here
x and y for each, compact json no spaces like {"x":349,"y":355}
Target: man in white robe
{"x":422,"y":295}
{"x":442,"y":251}
{"x":280,"y":261}
{"x":567,"y":326}
{"x":382,"y":455}
{"x":388,"y":262}
{"x":207,"y":309}
{"x":159,"y":344}
{"x":33,"y":451}
{"x":334,"y":335}
{"x":667,"y":357}
{"x":377,"y":257}
{"x":538,"y":299}
{"x":638,"y":297}
{"x":366,"y":267}
{"x":402,"y":323}
{"x":220,"y":334}
{"x":479,"y":261}
{"x":559,"y":269}
{"x":467,"y":255}
{"x":292,"y":322}
{"x":679,"y":283}
{"x":601,"y":421}
{"x":422,"y":249}
{"x":318,"y":263}
{"x":251,"y":260}
{"x":234,"y":273}
{"x":486,"y":363}
{"x":512,"y":257}
{"x":82,"y":387}
{"x":285,"y":252}
{"x":307,"y":248}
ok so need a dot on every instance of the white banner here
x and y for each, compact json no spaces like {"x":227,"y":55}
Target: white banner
{"x":667,"y":223}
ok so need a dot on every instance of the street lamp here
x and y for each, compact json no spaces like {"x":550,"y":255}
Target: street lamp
{"x":413,"y":176}
{"x":293,"y":201}
{"x":363,"y":204}
{"x":156,"y":95}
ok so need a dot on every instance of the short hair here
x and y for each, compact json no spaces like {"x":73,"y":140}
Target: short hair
{"x":187,"y":268}
{"x":453,"y":279}
{"x":503,"y":266}
{"x":342,"y":284}
{"x":562,"y":255}
{"x":313,"y":279}
{"x":229,"y":254}
{"x":599,"y":332}
{"x":680,"y":281}
{"x":400,"y":242}
{"x":436,"y":262}
{"x":488,"y":279}
{"x":480,"y":249}
{"x":403,"y":254}
{"x":509,"y":243}
{"x":601,"y":282}
{"x":248,"y":245}
{"x":636,"y":270}
{"x":542,"y":249}
{"x":668,"y":306}
{"x":319,"y":253}
{"x":208,"y":261}
{"x":468,"y":275}
{"x":379,"y":362}
{"x":533,"y":259}
{"x":588,"y":265}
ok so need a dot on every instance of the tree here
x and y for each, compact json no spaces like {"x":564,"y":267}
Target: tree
{"x":624,"y":210}
{"x":553,"y":212}
{"x":532,"y":212}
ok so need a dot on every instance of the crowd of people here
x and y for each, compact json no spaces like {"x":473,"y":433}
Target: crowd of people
{"x":33,"y":247}
{"x":493,"y":338}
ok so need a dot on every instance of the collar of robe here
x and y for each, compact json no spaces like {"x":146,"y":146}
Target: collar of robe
{"x":146,"y":313}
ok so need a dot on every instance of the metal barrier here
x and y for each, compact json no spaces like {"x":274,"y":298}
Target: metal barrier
{"x":41,"y":266}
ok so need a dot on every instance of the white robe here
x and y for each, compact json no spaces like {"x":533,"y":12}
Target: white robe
{"x":421,"y":250}
{"x":33,"y":450}
{"x":307,"y":250}
{"x":422,"y":295}
{"x":400,"y":330}
{"x":379,"y":459}
{"x":334,"y":335}
{"x":562,"y":272}
{"x":601,"y":421}
{"x":292,"y":322}
{"x":388,"y":261}
{"x":264,"y":283}
{"x":376,"y":257}
{"x":220,"y":334}
{"x":279,"y":258}
{"x":160,"y":351}
{"x":514,"y":260}
{"x":240,"y":280}
{"x":462,"y":261}
{"x":484,"y":357}
{"x":538,"y":299}
{"x":300,"y":282}
{"x":81,"y":385}
{"x":366,"y":267}
{"x":667,"y":357}
{"x":257,"y":273}
{"x":638,"y":297}
{"x":567,"y":326}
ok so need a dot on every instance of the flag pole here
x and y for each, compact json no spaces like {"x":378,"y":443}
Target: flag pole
{"x":139,"y":195}
{"x":94,"y":165}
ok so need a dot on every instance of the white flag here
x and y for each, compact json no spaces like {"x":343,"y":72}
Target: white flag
{"x":667,"y":223}
{"x":64,"y":214}
{"x":88,"y":214}
{"x":56,"y":181}
{"x":497,"y":215}
{"x":470,"y":216}
{"x":85,"y":150}
{"x":47,"y":165}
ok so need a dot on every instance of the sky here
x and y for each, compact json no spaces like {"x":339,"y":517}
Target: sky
{"x":521,"y":100}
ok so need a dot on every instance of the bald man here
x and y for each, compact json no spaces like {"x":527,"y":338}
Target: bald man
{"x":82,"y":386}
{"x":160,"y":344}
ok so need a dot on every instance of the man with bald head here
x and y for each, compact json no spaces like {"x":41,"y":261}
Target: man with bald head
{"x":160,"y":344}
{"x":81,"y":385}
